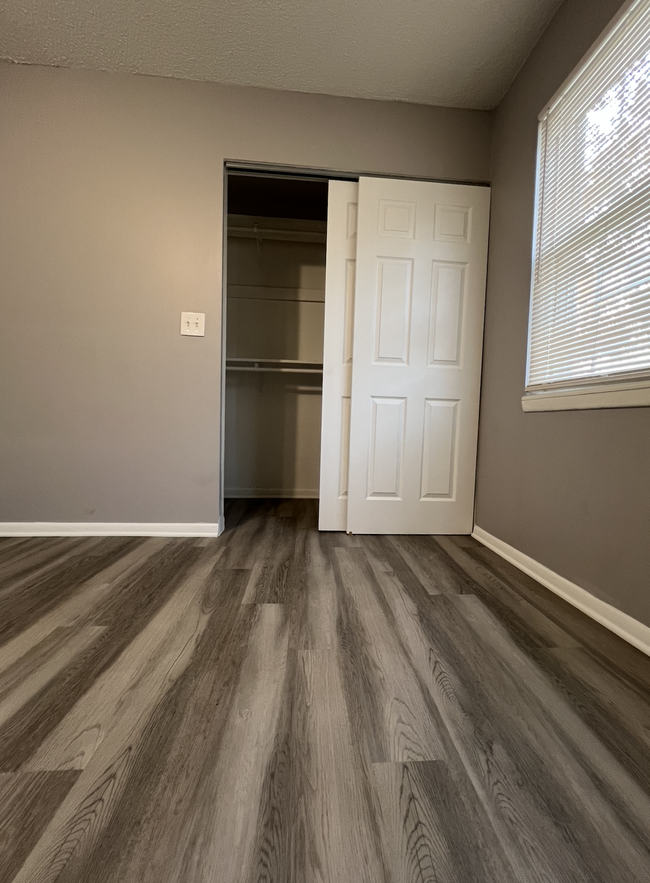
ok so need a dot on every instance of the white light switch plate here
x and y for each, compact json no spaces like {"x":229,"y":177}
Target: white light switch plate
{"x":193,"y":324}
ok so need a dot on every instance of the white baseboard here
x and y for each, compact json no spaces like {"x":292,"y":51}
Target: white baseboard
{"x":108,"y":529}
{"x":626,"y":627}
{"x":271,"y":493}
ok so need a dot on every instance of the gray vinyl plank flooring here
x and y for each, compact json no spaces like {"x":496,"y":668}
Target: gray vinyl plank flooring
{"x":289,"y":706}
{"x":27,"y":803}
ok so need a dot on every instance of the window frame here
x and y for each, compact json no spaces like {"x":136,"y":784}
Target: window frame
{"x":624,"y":390}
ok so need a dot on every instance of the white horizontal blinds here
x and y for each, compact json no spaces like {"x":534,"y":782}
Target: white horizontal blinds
{"x":590,"y":311}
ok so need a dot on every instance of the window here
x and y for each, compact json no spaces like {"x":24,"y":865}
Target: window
{"x":589,"y":333}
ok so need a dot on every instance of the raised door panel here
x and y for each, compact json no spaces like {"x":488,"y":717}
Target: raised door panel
{"x":386,"y":448}
{"x":439,"y":449}
{"x":453,"y":223}
{"x":446,"y":316}
{"x":393,"y":310}
{"x":396,"y":219}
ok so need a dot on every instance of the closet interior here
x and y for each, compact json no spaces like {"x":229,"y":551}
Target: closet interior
{"x":274,"y":335}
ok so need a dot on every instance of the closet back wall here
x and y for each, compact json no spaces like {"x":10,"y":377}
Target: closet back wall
{"x":111,"y":213}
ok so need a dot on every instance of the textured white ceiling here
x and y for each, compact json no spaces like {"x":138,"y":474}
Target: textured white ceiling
{"x":460,"y":53}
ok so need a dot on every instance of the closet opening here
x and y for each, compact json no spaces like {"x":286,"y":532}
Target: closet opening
{"x":274,"y":322}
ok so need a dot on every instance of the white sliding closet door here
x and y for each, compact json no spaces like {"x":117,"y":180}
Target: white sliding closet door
{"x":337,"y":354}
{"x":418,"y":330}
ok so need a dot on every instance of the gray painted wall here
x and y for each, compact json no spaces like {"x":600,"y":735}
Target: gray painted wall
{"x":571,"y":489}
{"x":110,"y":225}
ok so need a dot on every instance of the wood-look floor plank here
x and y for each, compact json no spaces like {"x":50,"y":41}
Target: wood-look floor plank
{"x":270,"y":574}
{"x":612,"y":651}
{"x":20,"y":608}
{"x":246,"y":544}
{"x":386,"y":554}
{"x":307,"y":514}
{"x":586,"y":789}
{"x":7,"y":544}
{"x":403,"y":726}
{"x":75,"y":609}
{"x":27,"y":803}
{"x":24,"y":680}
{"x":312,"y":595}
{"x":434,"y":570}
{"x":136,"y":680}
{"x":337,"y":837}
{"x":495,"y":726}
{"x":39,"y":561}
{"x":36,"y":557}
{"x":33,"y":574}
{"x":529,"y":627}
{"x":98,"y":830}
{"x":434,"y":829}
{"x":273,"y":853}
{"x":507,"y":774}
{"x":224,"y":849}
{"x":123,"y":612}
{"x":287,"y":509}
{"x":176,"y":750}
{"x":613,"y":709}
{"x":13,"y":547}
{"x":412,"y":614}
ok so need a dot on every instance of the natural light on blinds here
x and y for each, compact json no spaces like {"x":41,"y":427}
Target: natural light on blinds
{"x":590,"y":307}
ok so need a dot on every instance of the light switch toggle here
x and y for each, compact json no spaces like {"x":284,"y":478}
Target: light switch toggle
{"x":193,"y":324}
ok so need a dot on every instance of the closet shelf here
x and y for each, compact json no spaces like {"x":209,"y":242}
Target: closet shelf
{"x":276,"y":370}
{"x":261,"y":233}
{"x":284,"y":366}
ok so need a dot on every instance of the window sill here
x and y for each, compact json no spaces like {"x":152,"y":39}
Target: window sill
{"x":613,"y":395}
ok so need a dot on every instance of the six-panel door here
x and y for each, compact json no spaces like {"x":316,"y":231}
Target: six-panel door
{"x":418,"y":329}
